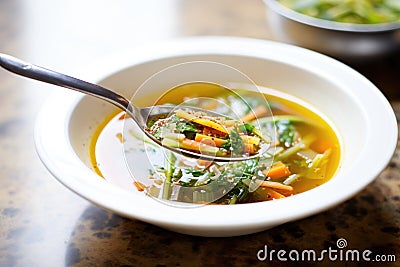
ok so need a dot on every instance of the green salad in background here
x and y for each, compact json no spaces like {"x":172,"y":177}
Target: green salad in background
{"x":348,"y":11}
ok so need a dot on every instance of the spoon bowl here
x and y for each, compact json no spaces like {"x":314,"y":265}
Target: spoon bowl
{"x":140,"y":115}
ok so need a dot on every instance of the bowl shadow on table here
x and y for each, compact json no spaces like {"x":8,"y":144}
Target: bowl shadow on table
{"x":367,"y":221}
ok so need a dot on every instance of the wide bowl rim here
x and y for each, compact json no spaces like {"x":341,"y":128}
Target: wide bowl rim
{"x":65,"y":165}
{"x":330,"y":25}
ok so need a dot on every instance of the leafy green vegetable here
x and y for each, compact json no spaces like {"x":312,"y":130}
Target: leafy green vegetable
{"x":249,"y":167}
{"x":151,"y":123}
{"x":349,"y":11}
{"x":238,"y":193}
{"x":227,"y":145}
{"x":236,"y":141}
{"x":187,"y":181}
{"x":283,"y":123}
{"x":246,"y":128}
{"x":183,"y":126}
{"x":238,"y":172}
{"x":286,"y":132}
{"x":195,"y":173}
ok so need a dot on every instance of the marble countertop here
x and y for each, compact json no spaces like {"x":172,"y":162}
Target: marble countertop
{"x":44,"y":224}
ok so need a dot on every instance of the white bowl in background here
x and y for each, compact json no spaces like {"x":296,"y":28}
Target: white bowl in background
{"x":362,"y":117}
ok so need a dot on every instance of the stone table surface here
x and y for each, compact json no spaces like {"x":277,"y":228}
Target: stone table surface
{"x":44,"y":224}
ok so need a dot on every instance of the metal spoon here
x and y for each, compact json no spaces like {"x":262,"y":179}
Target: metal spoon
{"x":139,"y":115}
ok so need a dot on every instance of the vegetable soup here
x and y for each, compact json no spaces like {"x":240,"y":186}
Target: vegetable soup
{"x":303,"y":150}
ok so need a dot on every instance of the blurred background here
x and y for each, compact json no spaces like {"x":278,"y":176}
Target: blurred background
{"x":44,"y":224}
{"x":71,"y":33}
{"x":68,"y":35}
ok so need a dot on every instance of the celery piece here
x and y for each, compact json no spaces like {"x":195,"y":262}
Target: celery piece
{"x":233,"y":200}
{"x":270,"y":119}
{"x":170,"y":162}
{"x":303,"y":144}
{"x":291,"y":179}
{"x":170,"y":142}
{"x":206,"y":149}
{"x":173,"y":136}
{"x":138,"y":137}
{"x":317,"y":168}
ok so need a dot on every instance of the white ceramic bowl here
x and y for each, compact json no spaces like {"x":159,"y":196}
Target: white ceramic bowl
{"x":360,"y":114}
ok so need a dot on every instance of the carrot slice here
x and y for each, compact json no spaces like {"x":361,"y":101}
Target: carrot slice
{"x":249,"y":148}
{"x":278,"y":170}
{"x":209,"y":140}
{"x":276,"y":185}
{"x":201,"y":121}
{"x":139,"y":186}
{"x":197,"y":146}
{"x":205,"y":163}
{"x":212,"y":132}
{"x":273,"y":194}
{"x":255,"y":113}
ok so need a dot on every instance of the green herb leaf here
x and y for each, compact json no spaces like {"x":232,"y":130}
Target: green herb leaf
{"x":286,"y":132}
{"x":150,"y":123}
{"x":237,"y":144}
{"x":226,"y":145}
{"x":246,"y":128}
{"x":195,"y":173}
{"x":238,"y":193}
{"x":185,"y":127}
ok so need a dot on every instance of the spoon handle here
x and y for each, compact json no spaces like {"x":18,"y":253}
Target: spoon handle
{"x":29,"y":70}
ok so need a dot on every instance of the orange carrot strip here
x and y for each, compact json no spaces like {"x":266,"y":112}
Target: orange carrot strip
{"x":213,"y":132}
{"x":255,"y":113}
{"x":205,"y":163}
{"x":139,"y":186}
{"x":204,"y":122}
{"x":273,"y":194}
{"x":276,"y":185}
{"x":209,"y":140}
{"x":197,"y":146}
{"x":249,"y":148}
{"x":191,"y":144}
{"x":278,"y":170}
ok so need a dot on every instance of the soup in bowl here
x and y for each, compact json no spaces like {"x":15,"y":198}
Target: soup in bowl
{"x":302,"y":150}
{"x":344,"y":111}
